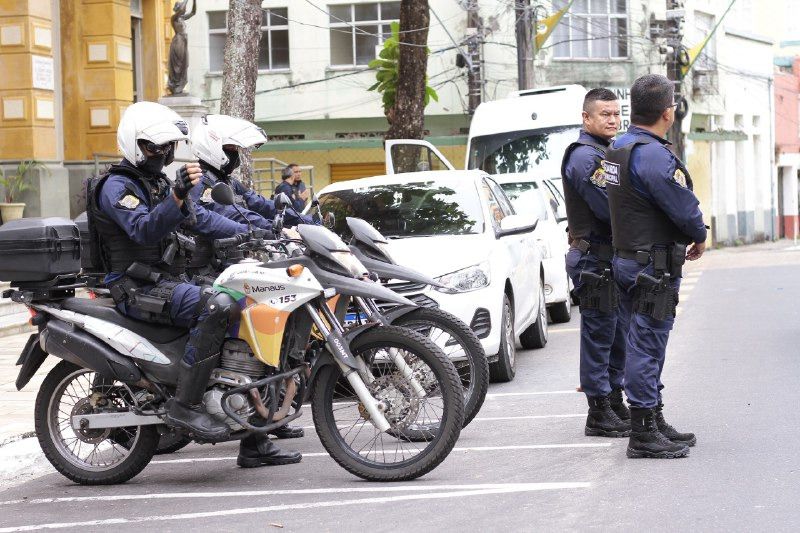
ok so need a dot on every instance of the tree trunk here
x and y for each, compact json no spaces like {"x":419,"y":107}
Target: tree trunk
{"x":408,"y":115}
{"x":240,"y":70}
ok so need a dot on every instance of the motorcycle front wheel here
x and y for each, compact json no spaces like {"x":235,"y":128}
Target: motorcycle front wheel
{"x":343,"y":424}
{"x":90,"y":456}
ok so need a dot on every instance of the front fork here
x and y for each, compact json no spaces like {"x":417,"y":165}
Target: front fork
{"x":351,"y":367}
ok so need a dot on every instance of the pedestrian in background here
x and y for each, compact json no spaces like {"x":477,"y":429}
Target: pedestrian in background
{"x":602,"y":348}
{"x":300,"y":191}
{"x":287,"y":186}
{"x":654,"y":216}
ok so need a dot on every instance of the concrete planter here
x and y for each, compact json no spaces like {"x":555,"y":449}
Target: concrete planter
{"x":10,"y":212}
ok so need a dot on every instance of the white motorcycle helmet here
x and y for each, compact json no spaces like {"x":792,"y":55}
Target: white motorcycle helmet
{"x":152,"y":122}
{"x":217,"y":131}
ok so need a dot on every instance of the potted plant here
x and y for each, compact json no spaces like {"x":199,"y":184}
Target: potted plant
{"x":14,"y":184}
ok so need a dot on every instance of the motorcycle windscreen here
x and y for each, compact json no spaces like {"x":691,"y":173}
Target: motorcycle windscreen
{"x":262,"y":327}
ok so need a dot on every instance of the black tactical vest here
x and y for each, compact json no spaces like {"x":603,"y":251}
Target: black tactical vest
{"x":581,"y":220}
{"x":637,"y":224}
{"x":114,"y":248}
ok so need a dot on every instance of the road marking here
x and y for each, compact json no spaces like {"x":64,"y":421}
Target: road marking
{"x":521,"y":487}
{"x":498,"y":418}
{"x":537,"y":393}
{"x":465,"y":449}
{"x":275,"y":492}
{"x":562,"y":330}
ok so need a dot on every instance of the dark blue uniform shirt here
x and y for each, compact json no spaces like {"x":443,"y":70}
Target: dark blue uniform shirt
{"x":582,"y":163}
{"x":652,"y":175}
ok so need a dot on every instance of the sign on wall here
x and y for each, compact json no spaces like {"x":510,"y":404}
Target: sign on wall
{"x":43,"y":73}
{"x":624,"y":95}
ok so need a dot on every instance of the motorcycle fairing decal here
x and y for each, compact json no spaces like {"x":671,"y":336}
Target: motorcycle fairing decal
{"x":262,"y":327}
{"x":121,"y":339}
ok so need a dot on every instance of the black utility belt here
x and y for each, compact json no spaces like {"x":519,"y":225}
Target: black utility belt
{"x":604,"y":252}
{"x":664,"y":259}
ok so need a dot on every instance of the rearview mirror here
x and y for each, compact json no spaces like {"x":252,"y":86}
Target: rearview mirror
{"x":330,"y":220}
{"x":222,"y":193}
{"x":282,"y":201}
{"x":516,"y":224}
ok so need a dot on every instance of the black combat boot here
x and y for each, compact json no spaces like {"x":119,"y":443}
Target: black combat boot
{"x":647,"y":441}
{"x":258,"y":450}
{"x":186,"y":409}
{"x":288,"y":432}
{"x":603,"y":421}
{"x":670,"y":432}
{"x":618,"y":405}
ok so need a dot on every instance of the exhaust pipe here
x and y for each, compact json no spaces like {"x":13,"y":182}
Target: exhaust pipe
{"x":72,"y":344}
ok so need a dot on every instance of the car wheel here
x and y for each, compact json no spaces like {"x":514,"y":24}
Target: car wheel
{"x":562,"y":311}
{"x":504,"y":369}
{"x":536,"y":335}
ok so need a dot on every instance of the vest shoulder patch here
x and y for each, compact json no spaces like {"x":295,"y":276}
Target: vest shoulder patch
{"x":610,"y":172}
{"x":679,"y":177}
{"x":598,"y":179}
{"x":206,"y":197}
{"x":129,"y":201}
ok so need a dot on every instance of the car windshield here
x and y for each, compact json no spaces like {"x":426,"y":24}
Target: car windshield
{"x":522,"y":151}
{"x":418,"y":209}
{"x":526,"y":197}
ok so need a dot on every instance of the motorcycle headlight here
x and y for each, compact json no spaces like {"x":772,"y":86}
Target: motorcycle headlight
{"x":351,"y":263}
{"x":465,"y":280}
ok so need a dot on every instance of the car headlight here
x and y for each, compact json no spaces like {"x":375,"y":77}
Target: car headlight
{"x":351,"y":263}
{"x":465,"y":280}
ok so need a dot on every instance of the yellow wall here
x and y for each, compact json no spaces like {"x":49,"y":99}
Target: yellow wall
{"x":27,"y":113}
{"x":323,"y":159}
{"x":699,"y":166}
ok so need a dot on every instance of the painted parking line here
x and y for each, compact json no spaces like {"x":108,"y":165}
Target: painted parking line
{"x":427,"y":496}
{"x":577,"y":445}
{"x":493,"y":395}
{"x":498,"y":419}
{"x":564,"y":330}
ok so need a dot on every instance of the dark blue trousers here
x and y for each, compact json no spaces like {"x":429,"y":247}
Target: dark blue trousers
{"x":183,"y":313}
{"x":602,"y":363}
{"x":647,"y":338}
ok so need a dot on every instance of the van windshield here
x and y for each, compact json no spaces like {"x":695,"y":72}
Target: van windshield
{"x":523,"y":151}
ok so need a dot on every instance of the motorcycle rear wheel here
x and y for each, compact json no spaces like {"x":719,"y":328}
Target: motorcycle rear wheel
{"x":93,"y":456}
{"x":333,"y":398}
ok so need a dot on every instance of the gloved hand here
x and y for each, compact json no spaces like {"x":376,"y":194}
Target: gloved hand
{"x":260,"y":233}
{"x":186,"y":177}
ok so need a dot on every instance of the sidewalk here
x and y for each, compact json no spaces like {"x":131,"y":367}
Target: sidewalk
{"x":16,"y":407}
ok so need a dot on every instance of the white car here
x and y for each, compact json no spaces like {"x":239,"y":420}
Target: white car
{"x":532,"y":195}
{"x":459,"y":228}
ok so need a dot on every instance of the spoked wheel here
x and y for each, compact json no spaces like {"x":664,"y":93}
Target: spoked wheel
{"x":90,"y":456}
{"x":461,"y":346}
{"x":425,"y":409}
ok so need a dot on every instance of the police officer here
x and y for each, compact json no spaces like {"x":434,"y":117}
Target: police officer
{"x":134,"y":212}
{"x":654,"y":216}
{"x":216,"y":143}
{"x":602,"y":350}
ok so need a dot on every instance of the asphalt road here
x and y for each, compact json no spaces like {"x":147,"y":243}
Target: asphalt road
{"x":524,"y":464}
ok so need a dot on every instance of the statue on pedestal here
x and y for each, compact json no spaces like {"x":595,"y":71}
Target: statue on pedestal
{"x":178,"y":64}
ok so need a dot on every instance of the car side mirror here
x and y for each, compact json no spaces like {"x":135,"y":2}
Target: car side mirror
{"x":282,"y":201}
{"x":222,"y":193}
{"x":330,"y":220}
{"x":516,"y":224}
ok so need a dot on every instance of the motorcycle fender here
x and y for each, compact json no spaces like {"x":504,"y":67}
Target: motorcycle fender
{"x":398,"y":312}
{"x":324,"y":359}
{"x":72,"y":344}
{"x":351,"y":334}
{"x":339,"y":346}
{"x":31,"y":360}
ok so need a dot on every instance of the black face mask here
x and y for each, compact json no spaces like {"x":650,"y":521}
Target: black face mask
{"x":155,"y":163}
{"x":233,"y":161}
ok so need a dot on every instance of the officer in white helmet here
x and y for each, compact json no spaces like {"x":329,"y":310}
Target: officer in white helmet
{"x":134,"y":212}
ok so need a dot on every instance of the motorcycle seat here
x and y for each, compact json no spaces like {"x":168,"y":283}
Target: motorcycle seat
{"x":104,"y":309}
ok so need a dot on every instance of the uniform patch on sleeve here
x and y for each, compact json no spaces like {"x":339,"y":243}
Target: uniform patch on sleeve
{"x":598,"y":179}
{"x":206,"y":197}
{"x":129,"y":201}
{"x":610,"y":172}
{"x":679,"y":177}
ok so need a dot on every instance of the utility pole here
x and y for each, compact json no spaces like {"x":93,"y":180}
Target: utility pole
{"x":524,"y":31}
{"x":474,"y":42}
{"x":674,"y":34}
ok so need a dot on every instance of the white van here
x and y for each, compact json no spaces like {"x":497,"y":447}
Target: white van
{"x":520,"y":140}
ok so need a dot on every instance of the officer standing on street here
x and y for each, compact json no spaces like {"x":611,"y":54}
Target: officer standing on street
{"x":602,"y":350}
{"x":654,"y":216}
{"x":134,"y":212}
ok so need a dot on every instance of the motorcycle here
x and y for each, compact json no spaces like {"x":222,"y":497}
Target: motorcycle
{"x":369,"y":390}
